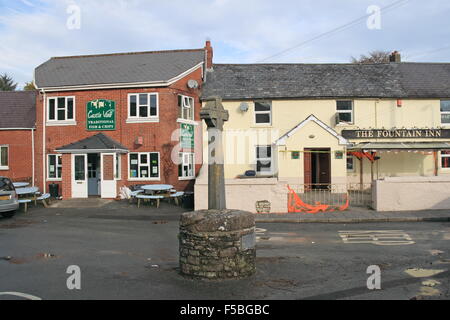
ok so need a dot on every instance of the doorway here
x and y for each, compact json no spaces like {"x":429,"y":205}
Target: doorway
{"x":93,"y":165}
{"x":317,"y":168}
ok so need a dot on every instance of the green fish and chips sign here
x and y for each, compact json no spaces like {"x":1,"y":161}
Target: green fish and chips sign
{"x":101,"y":115}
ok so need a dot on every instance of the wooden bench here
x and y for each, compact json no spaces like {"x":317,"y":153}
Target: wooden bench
{"x":176,"y":196}
{"x":134,"y":194}
{"x":44,"y":198}
{"x":148,"y":197}
{"x":25,"y":202}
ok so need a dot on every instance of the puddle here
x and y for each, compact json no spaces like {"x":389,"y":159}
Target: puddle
{"x":423,"y":273}
{"x":429,"y":292}
{"x":430,"y":283}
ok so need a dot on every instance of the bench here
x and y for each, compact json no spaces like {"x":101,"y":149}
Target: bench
{"x":25,"y":202}
{"x":148,"y":197}
{"x":176,"y":196}
{"x":133,"y":195}
{"x":44,"y":198}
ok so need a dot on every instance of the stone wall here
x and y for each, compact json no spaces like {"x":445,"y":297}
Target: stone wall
{"x":217,"y":244}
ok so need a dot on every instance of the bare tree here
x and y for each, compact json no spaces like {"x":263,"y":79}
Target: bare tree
{"x":376,"y":56}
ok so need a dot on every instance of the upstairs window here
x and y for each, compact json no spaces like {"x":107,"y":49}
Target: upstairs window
{"x":61,"y":109}
{"x":185,"y":107}
{"x":264,"y":160}
{"x":3,"y":157}
{"x":445,"y":111}
{"x":344,"y":109}
{"x":143,"y":106}
{"x":263,"y":112}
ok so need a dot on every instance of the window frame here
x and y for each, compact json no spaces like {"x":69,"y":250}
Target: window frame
{"x":118,"y":168}
{"x":442,"y":156}
{"x":182,"y":107}
{"x":351,"y":111}
{"x":263,"y":173}
{"x":56,"y":167}
{"x":444,"y":112}
{"x":148,"y":166}
{"x":149,"y":117}
{"x":262,"y":112}
{"x":350,"y":157}
{"x":4,"y":167}
{"x":191,"y":156}
{"x":66,"y":120}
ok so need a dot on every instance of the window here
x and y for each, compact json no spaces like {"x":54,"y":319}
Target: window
{"x":344,"y":110}
{"x":350,"y":163}
{"x":185,"y":107}
{"x":263,"y":112}
{"x":445,"y":111}
{"x":445,"y":159}
{"x":264,"y":159}
{"x":54,"y":169}
{"x":3,"y":157}
{"x":144,"y":165}
{"x":143,"y":106}
{"x":61,"y":109}
{"x":186,"y":168}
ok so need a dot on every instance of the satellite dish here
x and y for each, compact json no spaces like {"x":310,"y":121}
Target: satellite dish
{"x":192,"y":84}
{"x":243,"y":107}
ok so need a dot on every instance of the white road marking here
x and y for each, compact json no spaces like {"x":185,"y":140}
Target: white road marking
{"x":21,"y":295}
{"x":377,"y":237}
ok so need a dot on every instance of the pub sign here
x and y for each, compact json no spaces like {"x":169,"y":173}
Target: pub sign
{"x":101,"y":115}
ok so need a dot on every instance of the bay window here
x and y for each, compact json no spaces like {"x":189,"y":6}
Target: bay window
{"x":144,"y":165}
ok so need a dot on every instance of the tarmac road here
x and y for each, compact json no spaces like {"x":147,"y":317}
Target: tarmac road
{"x":129,"y":254}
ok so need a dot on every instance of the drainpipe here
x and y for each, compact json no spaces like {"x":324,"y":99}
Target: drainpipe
{"x":43,"y":141}
{"x":32,"y":156}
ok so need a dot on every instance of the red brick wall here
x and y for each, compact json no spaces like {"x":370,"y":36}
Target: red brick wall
{"x":156,"y":136}
{"x":19,"y":153}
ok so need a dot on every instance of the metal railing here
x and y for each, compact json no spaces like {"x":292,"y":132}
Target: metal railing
{"x":360,"y":195}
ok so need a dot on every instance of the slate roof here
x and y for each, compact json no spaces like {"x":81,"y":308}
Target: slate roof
{"x":17,"y":109}
{"x":155,"y":66}
{"x":272,"y":81}
{"x":99,"y":141}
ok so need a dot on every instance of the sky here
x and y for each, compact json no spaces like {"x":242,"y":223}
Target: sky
{"x":241,"y":31}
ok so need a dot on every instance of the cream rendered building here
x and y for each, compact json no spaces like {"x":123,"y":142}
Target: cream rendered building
{"x":328,"y":126}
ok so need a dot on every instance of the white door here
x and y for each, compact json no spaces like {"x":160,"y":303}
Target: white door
{"x":79,"y":176}
{"x":108,"y":172}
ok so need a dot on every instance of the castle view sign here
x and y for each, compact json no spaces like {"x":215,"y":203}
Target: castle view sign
{"x":397,"y":134}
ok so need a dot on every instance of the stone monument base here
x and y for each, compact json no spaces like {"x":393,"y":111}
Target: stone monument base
{"x":217,"y":244}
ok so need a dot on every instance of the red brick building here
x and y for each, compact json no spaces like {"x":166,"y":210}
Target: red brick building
{"x":17,"y":132}
{"x":107,"y":121}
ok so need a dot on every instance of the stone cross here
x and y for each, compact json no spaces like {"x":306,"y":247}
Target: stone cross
{"x":215,"y":115}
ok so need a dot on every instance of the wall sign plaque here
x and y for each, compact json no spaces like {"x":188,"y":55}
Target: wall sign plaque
{"x":101,"y":115}
{"x":397,"y":134}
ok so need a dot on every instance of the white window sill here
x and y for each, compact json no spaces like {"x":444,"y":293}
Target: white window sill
{"x":144,"y":179}
{"x":4,"y":168}
{"x":262,"y":125}
{"x":142,"y":120}
{"x":186,"y":178}
{"x":54,"y":179}
{"x":344,"y":124}
{"x":185,"y":121}
{"x":60,"y":123}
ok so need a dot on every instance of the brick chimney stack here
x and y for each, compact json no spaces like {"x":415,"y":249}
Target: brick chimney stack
{"x":395,"y":57}
{"x":209,"y":55}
